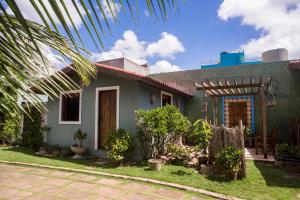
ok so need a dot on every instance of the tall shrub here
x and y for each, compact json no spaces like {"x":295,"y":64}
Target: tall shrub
{"x":10,"y":132}
{"x":158,"y":127}
{"x":33,"y":130}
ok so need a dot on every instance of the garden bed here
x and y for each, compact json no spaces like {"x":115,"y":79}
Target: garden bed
{"x":263,"y":181}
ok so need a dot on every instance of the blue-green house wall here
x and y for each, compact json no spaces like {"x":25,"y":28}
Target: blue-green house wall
{"x":133,"y":96}
{"x":285,"y":87}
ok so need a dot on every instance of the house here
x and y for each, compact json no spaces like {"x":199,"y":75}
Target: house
{"x":221,"y":106}
{"x":223,"y":93}
{"x":108,"y":103}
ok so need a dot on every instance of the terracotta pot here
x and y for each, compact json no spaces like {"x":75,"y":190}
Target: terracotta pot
{"x":155,"y":164}
{"x":205,"y":169}
{"x":231,"y":175}
{"x":78,"y":151}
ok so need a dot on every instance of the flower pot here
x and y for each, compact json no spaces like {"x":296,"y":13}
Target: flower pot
{"x":231,"y":175}
{"x":78,"y":151}
{"x":205,"y":169}
{"x":155,"y":164}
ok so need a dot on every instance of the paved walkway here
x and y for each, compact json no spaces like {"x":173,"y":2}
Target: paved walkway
{"x":18,"y":182}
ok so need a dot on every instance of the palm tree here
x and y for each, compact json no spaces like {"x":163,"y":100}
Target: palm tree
{"x":24,"y":65}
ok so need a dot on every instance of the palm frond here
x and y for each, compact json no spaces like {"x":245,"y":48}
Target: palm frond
{"x":24,"y":64}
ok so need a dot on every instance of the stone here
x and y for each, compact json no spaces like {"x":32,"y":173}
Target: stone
{"x":81,"y":186}
{"x":138,"y":197}
{"x":108,"y":182}
{"x":172,"y":194}
{"x":107,"y":192}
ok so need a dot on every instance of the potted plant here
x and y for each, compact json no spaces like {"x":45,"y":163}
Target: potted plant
{"x":201,"y":133}
{"x":228,"y":162}
{"x":78,"y":149}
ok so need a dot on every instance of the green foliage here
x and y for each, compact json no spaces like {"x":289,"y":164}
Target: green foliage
{"x":158,"y":127}
{"x":288,"y":150}
{"x":178,"y":152}
{"x":80,"y":136}
{"x":33,"y":129}
{"x":201,"y":133}
{"x":11,"y":130}
{"x":249,"y":132}
{"x":228,"y":159}
{"x":120,"y":145}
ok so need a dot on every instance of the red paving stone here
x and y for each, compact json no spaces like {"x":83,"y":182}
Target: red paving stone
{"x":108,"y":192}
{"x":43,"y":184}
{"x":171,"y":194}
{"x":108,"y":182}
{"x":81,"y":186}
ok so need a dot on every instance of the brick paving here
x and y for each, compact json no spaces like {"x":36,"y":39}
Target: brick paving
{"x":18,"y":182}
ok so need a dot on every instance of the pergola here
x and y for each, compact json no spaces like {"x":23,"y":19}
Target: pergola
{"x":239,"y":87}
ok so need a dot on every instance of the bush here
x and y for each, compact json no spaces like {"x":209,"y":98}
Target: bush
{"x":120,"y":145}
{"x":33,"y":129}
{"x":179,"y":153}
{"x":11,"y":130}
{"x":201,"y":133}
{"x":286,"y":150}
{"x":158,"y":127}
{"x":228,"y":159}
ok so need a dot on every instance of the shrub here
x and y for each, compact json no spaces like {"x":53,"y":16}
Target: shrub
{"x":288,"y":150}
{"x":228,"y":159}
{"x":80,"y":136}
{"x":201,"y":133}
{"x":11,"y":130}
{"x":158,"y":127}
{"x":33,"y":129}
{"x":179,"y":153}
{"x":120,"y":145}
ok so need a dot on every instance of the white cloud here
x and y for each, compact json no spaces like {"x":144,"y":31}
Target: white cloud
{"x":30,"y":13}
{"x":114,"y":9}
{"x":163,"y":66}
{"x":277,"y":20}
{"x":166,"y":46}
{"x":131,"y":47}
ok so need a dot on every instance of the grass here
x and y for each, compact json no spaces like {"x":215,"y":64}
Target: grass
{"x":263,"y":181}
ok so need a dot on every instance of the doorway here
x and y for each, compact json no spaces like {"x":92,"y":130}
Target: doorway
{"x":107,"y":111}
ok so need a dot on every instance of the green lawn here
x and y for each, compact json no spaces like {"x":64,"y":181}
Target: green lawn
{"x":263,"y":181}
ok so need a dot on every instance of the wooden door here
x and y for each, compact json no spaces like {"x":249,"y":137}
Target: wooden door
{"x":237,"y":111}
{"x":106,"y":115}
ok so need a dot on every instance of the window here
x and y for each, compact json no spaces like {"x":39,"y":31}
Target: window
{"x":70,"y":107}
{"x":166,"y":98}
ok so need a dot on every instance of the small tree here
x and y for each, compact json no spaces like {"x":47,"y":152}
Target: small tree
{"x":158,"y":127}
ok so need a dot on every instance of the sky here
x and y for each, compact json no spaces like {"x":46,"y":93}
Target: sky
{"x":197,"y":33}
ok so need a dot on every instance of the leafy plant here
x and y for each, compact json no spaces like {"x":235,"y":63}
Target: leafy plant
{"x":120,"y":145}
{"x":80,"y":136}
{"x":228,"y":159}
{"x":33,"y":129}
{"x":249,"y":132}
{"x":10,"y":132}
{"x":201,"y":133}
{"x":179,"y":153}
{"x":158,"y":127}
{"x":288,"y":150}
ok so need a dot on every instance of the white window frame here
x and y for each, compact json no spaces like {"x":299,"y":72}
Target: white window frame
{"x":165,"y":93}
{"x":60,"y":106}
{"x":98,"y":89}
